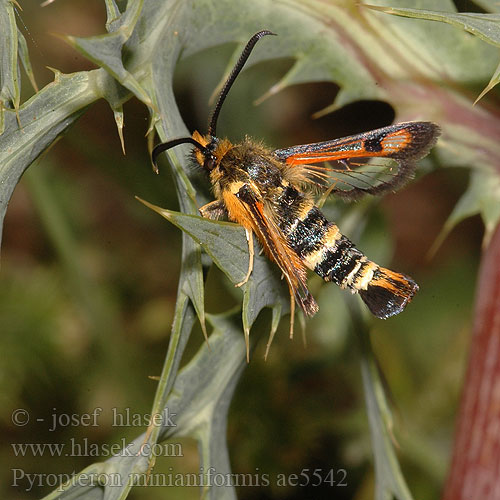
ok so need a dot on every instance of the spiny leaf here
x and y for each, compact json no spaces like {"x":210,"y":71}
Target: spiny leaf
{"x":84,"y":485}
{"x":197,"y":407}
{"x":112,"y":16}
{"x":25,"y":60}
{"x":118,"y":114}
{"x":134,"y":465}
{"x":484,"y":26}
{"x":10,"y":91}
{"x":227,"y":246}
{"x":495,"y":79}
{"x":106,"y":50}
{"x":43,"y":118}
{"x":201,"y":398}
{"x":482,"y":197}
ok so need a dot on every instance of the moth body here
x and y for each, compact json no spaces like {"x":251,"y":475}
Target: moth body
{"x":259,"y":191}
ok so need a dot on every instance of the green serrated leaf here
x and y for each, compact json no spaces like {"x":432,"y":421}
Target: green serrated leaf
{"x":227,"y":246}
{"x":43,"y":118}
{"x":495,"y":79}
{"x":25,"y":59}
{"x":112,"y":16}
{"x":134,"y":465}
{"x":106,"y":50}
{"x":484,"y":26}
{"x":118,"y":114}
{"x":197,"y":407}
{"x":264,"y":289}
{"x":9,"y":71}
{"x":201,"y":398}
{"x":225,"y":242}
{"x":482,"y":197}
{"x":84,"y":484}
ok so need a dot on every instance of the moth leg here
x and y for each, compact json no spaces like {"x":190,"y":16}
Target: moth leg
{"x":213,"y":210}
{"x":326,"y":194}
{"x":292,"y":313}
{"x":251,"y":253}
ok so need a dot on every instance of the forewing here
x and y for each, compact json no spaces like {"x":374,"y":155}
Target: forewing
{"x":277,"y":248}
{"x":369,"y":163}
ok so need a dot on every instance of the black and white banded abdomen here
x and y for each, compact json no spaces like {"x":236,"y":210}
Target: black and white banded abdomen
{"x":326,"y":251}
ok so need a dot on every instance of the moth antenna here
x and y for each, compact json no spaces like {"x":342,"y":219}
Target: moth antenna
{"x":160,"y":148}
{"x":232,"y":77}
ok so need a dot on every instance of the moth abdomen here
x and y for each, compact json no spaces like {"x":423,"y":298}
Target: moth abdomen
{"x":326,"y":251}
{"x":387,"y":293}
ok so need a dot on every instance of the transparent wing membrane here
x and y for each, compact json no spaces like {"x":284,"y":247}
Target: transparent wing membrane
{"x":351,"y":179}
{"x":369,"y":163}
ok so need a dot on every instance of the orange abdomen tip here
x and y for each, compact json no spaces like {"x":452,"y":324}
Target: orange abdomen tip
{"x":388,"y":293}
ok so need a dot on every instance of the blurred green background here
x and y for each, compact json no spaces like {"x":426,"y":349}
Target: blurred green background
{"x":89,"y":279}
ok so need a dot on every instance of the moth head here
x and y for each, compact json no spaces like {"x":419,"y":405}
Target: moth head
{"x":208,"y":151}
{"x":204,"y":152}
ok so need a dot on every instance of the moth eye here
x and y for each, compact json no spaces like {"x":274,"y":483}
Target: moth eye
{"x":209,"y":163}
